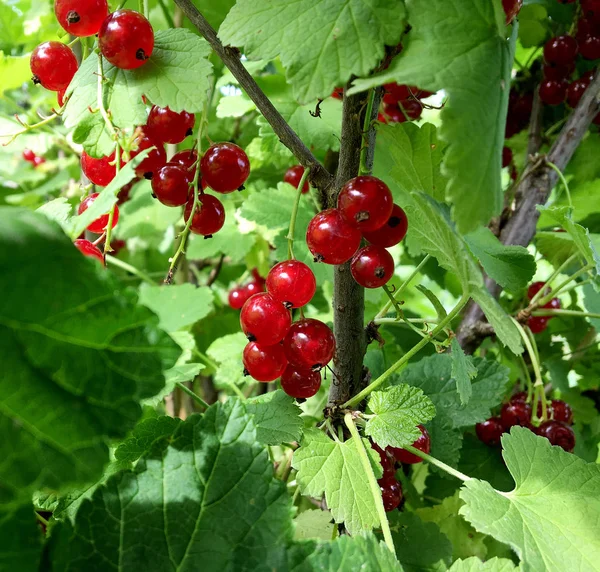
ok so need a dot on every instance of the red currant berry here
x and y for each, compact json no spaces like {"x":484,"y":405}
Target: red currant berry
{"x":331,"y":239}
{"x":553,"y":92}
{"x":562,"y":411}
{"x":225,"y":167}
{"x":534,"y":288}
{"x":53,"y":65}
{"x":168,"y":126}
{"x":515,"y":413}
{"x":392,"y":232}
{"x":88,"y":249}
{"x":28,"y":155}
{"x":366,"y":202}
{"x":99,"y":225}
{"x":154,"y":161}
{"x":557,"y":72}
{"x":537,"y":324}
{"x":257,"y":277}
{"x":309,"y":343}
{"x":300,"y":383}
{"x":589,"y":47}
{"x":209,"y":217}
{"x":99,"y":171}
{"x":338,"y":93}
{"x":395,"y":92}
{"x":372,"y":266}
{"x":576,"y":90}
{"x":387,"y":464}
{"x":171,"y":185}
{"x":511,"y":9}
{"x":264,"y":363}
{"x":520,"y":396}
{"x":292,"y":283}
{"x":411,"y":109}
{"x":38,"y":161}
{"x":238,"y":295}
{"x":591,"y":9}
{"x":265,"y":320}
{"x":187,"y":160}
{"x":490,"y":431}
{"x":423,"y":443}
{"x":391,"y":493}
{"x":561,"y":50}
{"x":558,"y":434}
{"x":554,"y":304}
{"x":81,"y":17}
{"x":126,"y":39}
{"x":507,"y":156}
{"x":293,"y":176}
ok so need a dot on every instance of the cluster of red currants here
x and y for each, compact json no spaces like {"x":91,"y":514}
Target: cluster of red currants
{"x":538,"y":324}
{"x":366,"y":209}
{"x":32,"y":158}
{"x":518,"y":411}
{"x":295,"y":352}
{"x":239,"y":294}
{"x":391,"y":489}
{"x":401,"y":103}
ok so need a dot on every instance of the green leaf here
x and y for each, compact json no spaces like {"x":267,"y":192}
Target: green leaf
{"x":144,"y":436}
{"x":349,"y":39}
{"x":58,"y":210}
{"x":20,"y":540}
{"x":92,"y":134}
{"x":277,"y":418}
{"x":334,"y":468}
{"x":209,"y":496}
{"x":463,"y":371}
{"x":555,"y":247}
{"x":421,"y":546}
{"x":510,"y":266}
{"x":227,"y":352}
{"x":474,"y":564}
{"x":316,"y":524}
{"x":353,"y":554}
{"x":550,"y":519}
{"x":177,"y":306}
{"x":398,"y":410}
{"x":14,"y":71}
{"x":83,"y":352}
{"x":533,"y":25}
{"x":451,"y":40}
{"x":435,"y":301}
{"x":177,"y":75}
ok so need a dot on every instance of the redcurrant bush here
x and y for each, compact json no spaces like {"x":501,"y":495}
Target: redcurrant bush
{"x":209,"y":216}
{"x":372,"y":266}
{"x":366,"y":202}
{"x":331,"y":239}
{"x":300,"y":383}
{"x":309,"y":343}
{"x":264,"y":363}
{"x":265,"y":320}
{"x":53,"y":65}
{"x":225,"y":167}
{"x":81,"y":17}
{"x":99,"y":225}
{"x":292,"y":283}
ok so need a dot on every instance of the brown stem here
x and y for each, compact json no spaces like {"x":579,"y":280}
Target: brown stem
{"x":533,"y":190}
{"x":319,"y":176}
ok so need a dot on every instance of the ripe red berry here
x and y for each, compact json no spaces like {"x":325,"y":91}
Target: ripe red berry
{"x":37,"y":161}
{"x":53,"y":65}
{"x":88,"y":249}
{"x":186,"y":159}
{"x":423,"y":443}
{"x":511,"y":9}
{"x":515,"y":413}
{"x":366,"y":202}
{"x":589,"y":47}
{"x":126,"y":39}
{"x":558,"y":434}
{"x":535,"y":287}
{"x":591,"y":9}
{"x":171,"y":185}
{"x":560,"y":50}
{"x":490,"y":431}
{"x":225,"y":167}
{"x":507,"y":156}
{"x":264,"y":363}
{"x":265,"y":320}
{"x":309,"y":343}
{"x":168,"y":126}
{"x":293,"y":176}
{"x":562,"y":411}
{"x":387,"y":463}
{"x":239,"y":294}
{"x":391,"y":493}
{"x":292,"y":283}
{"x":154,"y":161}
{"x":28,"y":155}
{"x":411,"y":109}
{"x":81,"y":17}
{"x":299,"y":382}
{"x":576,"y":90}
{"x":372,"y":266}
{"x":395,"y":92}
{"x":257,"y":277}
{"x":331,"y":239}
{"x":553,"y":71}
{"x":99,"y":171}
{"x":537,"y":324}
{"x":520,"y":396}
{"x":60,"y":97}
{"x":392,"y":232}
{"x":99,"y":225}
{"x":553,"y":92}
{"x":338,"y":93}
{"x":209,"y":217}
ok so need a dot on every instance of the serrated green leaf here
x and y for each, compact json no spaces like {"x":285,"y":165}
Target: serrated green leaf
{"x":451,"y":40}
{"x":20,"y":540}
{"x":349,"y":39}
{"x":144,"y":436}
{"x":463,"y":371}
{"x":550,"y":519}
{"x":555,"y":247}
{"x":92,"y":134}
{"x":58,"y":210}
{"x":474,"y":564}
{"x":178,"y":305}
{"x":227,"y":352}
{"x":334,"y":469}
{"x":234,"y":106}
{"x":315,"y":524}
{"x":277,"y":418}
{"x":435,"y":301}
{"x":510,"y":266}
{"x":398,"y":410}
{"x":82,"y":351}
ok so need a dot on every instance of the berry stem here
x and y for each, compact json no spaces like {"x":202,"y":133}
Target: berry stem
{"x":375,"y":490}
{"x":549,"y":281}
{"x":527,"y":378}
{"x":561,"y":312}
{"x":27,"y":128}
{"x":563,"y":180}
{"x":195,"y":397}
{"x":438,"y":463}
{"x":533,"y":355}
{"x":570,"y":279}
{"x":204,"y":358}
{"x":404,"y":359}
{"x":290,"y":235}
{"x":128,"y":268}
